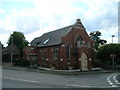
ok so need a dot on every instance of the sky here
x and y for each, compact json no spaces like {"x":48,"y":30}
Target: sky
{"x":36,"y":17}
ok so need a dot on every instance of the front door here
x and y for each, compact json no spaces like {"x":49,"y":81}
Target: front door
{"x":84,"y":59}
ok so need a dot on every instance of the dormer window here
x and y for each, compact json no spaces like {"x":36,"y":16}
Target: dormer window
{"x":46,"y":41}
{"x":79,"y":41}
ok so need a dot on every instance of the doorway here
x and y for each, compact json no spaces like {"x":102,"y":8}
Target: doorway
{"x":84,"y":58}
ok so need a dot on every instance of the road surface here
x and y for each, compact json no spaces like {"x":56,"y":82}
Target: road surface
{"x":27,"y":79}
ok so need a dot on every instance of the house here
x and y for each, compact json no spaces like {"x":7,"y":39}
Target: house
{"x":65,"y":48}
{"x":8,"y":51}
{"x":30,"y":54}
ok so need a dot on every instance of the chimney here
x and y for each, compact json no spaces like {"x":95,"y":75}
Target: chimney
{"x":79,"y":24}
{"x":78,"y":21}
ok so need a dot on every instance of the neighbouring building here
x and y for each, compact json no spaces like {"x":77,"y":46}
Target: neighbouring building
{"x":65,"y":48}
{"x":10,"y":52}
{"x":30,"y":54}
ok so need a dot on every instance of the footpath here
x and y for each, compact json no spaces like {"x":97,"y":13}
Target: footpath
{"x":60,"y":72}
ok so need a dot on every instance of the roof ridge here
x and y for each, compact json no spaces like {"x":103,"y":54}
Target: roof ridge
{"x":51,"y":35}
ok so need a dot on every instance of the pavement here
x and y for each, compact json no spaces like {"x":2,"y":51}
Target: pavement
{"x":61,"y":72}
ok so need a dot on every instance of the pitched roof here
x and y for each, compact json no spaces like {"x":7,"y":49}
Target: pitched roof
{"x":11,"y":49}
{"x":53,"y":37}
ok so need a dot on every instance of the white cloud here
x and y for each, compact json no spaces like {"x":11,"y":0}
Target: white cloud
{"x":3,"y":38}
{"x":2,"y":11}
{"x":20,"y":21}
{"x":101,"y":14}
{"x":53,"y":14}
{"x":108,"y":32}
{"x":9,"y":24}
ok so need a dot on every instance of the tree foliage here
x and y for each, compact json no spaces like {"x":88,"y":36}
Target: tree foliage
{"x":18,"y":39}
{"x":104,"y":52}
{"x":96,"y":38}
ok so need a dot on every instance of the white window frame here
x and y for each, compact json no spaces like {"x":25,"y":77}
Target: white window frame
{"x":79,"y":41}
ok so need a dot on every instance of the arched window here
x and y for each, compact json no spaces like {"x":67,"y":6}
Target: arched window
{"x":79,"y":41}
{"x":55,"y":53}
{"x":43,"y":54}
{"x":88,"y":45}
{"x":68,"y":51}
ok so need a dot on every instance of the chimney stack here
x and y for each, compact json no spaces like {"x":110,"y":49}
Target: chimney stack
{"x":78,"y":20}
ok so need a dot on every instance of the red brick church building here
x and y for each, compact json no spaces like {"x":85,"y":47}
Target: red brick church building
{"x":65,"y":48}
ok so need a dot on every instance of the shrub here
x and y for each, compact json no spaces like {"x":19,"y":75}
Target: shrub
{"x":22,"y":62}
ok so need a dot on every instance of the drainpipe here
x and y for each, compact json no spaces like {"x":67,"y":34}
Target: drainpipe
{"x":90,"y":61}
{"x":80,"y":64}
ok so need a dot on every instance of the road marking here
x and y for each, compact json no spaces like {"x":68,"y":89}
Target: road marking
{"x":34,"y":82}
{"x":114,"y":78}
{"x":10,"y":78}
{"x":72,"y":85}
{"x":29,"y":81}
{"x":114,"y":86}
{"x":109,"y":77}
{"x":22,"y":80}
{"x":80,"y":86}
{"x":84,"y":86}
{"x":109,"y":81}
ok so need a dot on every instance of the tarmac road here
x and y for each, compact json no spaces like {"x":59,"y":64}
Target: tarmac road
{"x":27,"y":79}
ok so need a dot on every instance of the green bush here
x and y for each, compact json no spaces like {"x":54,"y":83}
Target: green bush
{"x":22,"y":62}
{"x":104,"y":52}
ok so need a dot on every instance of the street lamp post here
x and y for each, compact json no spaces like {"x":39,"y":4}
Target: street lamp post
{"x":113,"y":61}
{"x":112,"y":37}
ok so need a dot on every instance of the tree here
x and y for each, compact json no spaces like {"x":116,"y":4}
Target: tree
{"x":96,"y":38}
{"x":104,"y":52}
{"x":18,"y":39}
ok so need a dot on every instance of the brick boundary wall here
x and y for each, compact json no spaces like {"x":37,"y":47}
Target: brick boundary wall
{"x":7,"y":64}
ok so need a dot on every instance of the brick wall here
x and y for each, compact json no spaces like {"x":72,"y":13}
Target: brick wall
{"x":62,"y":62}
{"x":70,"y":38}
